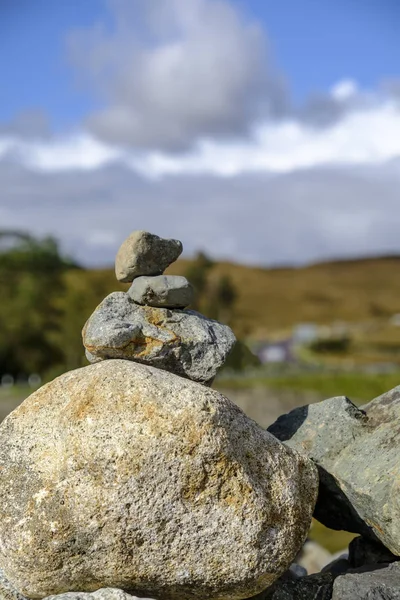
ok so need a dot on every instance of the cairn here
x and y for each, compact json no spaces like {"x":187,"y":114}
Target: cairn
{"x":148,"y":323}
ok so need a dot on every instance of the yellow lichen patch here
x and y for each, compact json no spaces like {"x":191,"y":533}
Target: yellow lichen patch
{"x":154,"y":316}
{"x":143,"y":347}
{"x":82,"y":405}
{"x":223,"y":479}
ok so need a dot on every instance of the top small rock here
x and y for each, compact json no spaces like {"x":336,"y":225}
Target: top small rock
{"x":144,"y":253}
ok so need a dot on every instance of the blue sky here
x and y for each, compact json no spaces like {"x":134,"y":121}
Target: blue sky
{"x":263,"y":132}
{"x":318,"y":42}
{"x":315,"y":43}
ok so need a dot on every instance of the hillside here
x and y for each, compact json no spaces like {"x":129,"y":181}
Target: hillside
{"x":273,"y":300}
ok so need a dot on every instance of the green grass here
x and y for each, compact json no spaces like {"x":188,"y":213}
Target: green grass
{"x":17,"y":391}
{"x":10,"y":398}
{"x":333,"y":541}
{"x":360,"y":387}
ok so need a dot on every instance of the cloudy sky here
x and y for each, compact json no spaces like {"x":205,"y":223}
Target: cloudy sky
{"x":262,"y":132}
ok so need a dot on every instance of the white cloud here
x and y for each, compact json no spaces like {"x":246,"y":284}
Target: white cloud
{"x":255,"y":218}
{"x":370,"y":135}
{"x":344,"y":89}
{"x":205,"y":72}
{"x":79,"y":151}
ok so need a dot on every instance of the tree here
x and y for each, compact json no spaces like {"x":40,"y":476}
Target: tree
{"x":197,"y":273}
{"x":31,"y":279}
{"x":221,"y":299}
{"x":241,"y":358}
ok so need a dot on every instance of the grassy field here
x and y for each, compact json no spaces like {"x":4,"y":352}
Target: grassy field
{"x":334,"y":541}
{"x":10,"y":398}
{"x":359,"y":387}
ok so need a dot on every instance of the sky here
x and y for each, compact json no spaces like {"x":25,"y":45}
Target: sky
{"x":261,"y":132}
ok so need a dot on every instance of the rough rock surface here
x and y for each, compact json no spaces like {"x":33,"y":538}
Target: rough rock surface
{"x":312,"y":587}
{"x":182,"y":342}
{"x":103,"y":594}
{"x":169,"y":291}
{"x":357,"y":456}
{"x":144,"y":253}
{"x":384,"y":408}
{"x":120,"y":475}
{"x":337,"y":567}
{"x":379,"y":583}
{"x":363,"y":551}
{"x":289,"y":575}
{"x":8,"y":591}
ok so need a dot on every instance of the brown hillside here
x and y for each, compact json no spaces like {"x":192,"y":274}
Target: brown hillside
{"x":275,"y":299}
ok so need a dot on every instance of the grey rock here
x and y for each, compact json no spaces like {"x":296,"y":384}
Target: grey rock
{"x":103,"y":594}
{"x":312,"y":587}
{"x":363,"y":551}
{"x":125,"y":476}
{"x":169,"y":291}
{"x":337,"y":567}
{"x":356,"y":452}
{"x":380,"y":582}
{"x":384,"y":409}
{"x":322,"y":430}
{"x":182,"y":342}
{"x":144,"y":253}
{"x":297,"y":571}
{"x":289,"y":575}
{"x":7,"y":590}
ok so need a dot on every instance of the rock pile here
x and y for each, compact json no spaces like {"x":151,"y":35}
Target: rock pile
{"x":147,"y":324}
{"x":125,"y":479}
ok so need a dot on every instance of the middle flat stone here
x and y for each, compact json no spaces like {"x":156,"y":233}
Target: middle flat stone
{"x":167,"y":291}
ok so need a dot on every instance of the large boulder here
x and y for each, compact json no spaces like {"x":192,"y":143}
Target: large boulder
{"x":183,"y":342}
{"x":357,"y":453}
{"x":120,"y":475}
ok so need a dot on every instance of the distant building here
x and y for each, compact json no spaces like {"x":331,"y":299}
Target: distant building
{"x":276,"y":352}
{"x":395,"y":320}
{"x":305,"y":333}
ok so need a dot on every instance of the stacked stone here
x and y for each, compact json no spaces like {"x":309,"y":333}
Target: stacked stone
{"x":142,"y":259}
{"x":148,"y":324}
